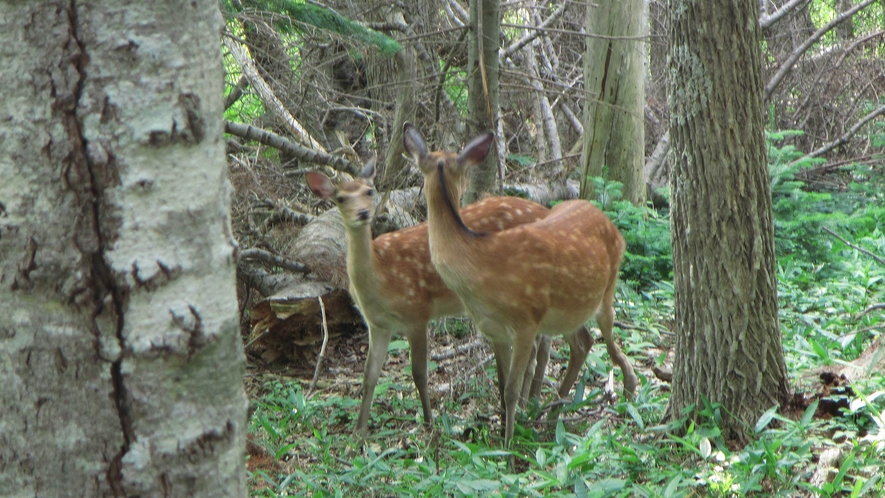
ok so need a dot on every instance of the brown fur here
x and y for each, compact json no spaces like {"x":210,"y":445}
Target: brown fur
{"x":546,"y":277}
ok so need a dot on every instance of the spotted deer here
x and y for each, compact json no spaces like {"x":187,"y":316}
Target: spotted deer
{"x":545,"y":277}
{"x":394,"y":284}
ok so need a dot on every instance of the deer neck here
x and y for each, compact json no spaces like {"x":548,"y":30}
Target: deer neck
{"x":449,"y":237}
{"x":362,"y":262}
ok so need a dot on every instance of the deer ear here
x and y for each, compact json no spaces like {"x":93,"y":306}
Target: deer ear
{"x":414,"y":142}
{"x":320,"y":184}
{"x":477,"y":150}
{"x":368,"y":172}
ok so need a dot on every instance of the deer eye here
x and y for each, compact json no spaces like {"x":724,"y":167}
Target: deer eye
{"x":340,"y":199}
{"x":370,"y":192}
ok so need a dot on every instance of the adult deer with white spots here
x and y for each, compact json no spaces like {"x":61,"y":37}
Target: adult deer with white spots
{"x":546,"y":277}
{"x":393,"y":282}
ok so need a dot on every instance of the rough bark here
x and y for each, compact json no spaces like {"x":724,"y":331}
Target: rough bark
{"x":484,"y":40}
{"x":728,"y":342}
{"x":614,"y":77}
{"x":120,"y":357}
{"x":396,"y":165}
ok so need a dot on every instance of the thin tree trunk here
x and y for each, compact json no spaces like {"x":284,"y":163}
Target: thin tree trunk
{"x":120,"y":357}
{"x":406,"y":78}
{"x":484,"y":41}
{"x":728,"y":342}
{"x":614,"y":69}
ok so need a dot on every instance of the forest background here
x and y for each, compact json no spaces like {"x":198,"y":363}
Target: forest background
{"x":349,"y":89}
{"x":132,"y":274}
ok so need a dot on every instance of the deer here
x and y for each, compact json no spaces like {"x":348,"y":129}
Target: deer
{"x":547,"y":277}
{"x":395,"y":286}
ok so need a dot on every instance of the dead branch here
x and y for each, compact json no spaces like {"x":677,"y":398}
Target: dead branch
{"x":236,"y":92}
{"x":271,"y":139}
{"x":456,"y":12}
{"x":531,"y":35}
{"x":255,"y":254}
{"x":880,"y":306}
{"x":267,"y":95}
{"x":458,"y":350}
{"x":284,"y":213}
{"x":875,"y":256}
{"x":787,"y":66}
{"x":825,"y":168}
{"x":322,"y":355}
{"x":766,"y":22}
{"x":549,"y":138}
{"x":544,"y":194}
{"x":846,"y":136}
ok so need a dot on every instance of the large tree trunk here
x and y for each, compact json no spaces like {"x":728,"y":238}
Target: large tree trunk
{"x":483,"y":41}
{"x":614,"y":77}
{"x":728,"y":342}
{"x":120,"y":360}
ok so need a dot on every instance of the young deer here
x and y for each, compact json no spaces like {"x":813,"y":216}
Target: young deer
{"x":546,"y":277}
{"x":393,"y":282}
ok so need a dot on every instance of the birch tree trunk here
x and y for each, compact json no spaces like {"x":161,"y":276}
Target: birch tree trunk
{"x":614,"y":77}
{"x":728,"y":342}
{"x":120,"y":357}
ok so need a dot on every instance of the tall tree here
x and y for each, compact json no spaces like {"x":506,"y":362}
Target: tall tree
{"x":483,"y":42}
{"x":120,"y":356}
{"x":614,"y":77}
{"x":728,"y":342}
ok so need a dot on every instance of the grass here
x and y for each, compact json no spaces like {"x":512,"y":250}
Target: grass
{"x":597,"y":445}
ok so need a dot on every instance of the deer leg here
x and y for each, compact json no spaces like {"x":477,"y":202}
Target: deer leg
{"x":378,"y":341}
{"x":606,"y":319}
{"x":502,"y":362}
{"x":579,"y":345}
{"x":543,"y":357}
{"x":418,"y":348}
{"x":529,"y":374}
{"x":522,"y":353}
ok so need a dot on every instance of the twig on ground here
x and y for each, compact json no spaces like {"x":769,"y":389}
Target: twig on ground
{"x":322,"y":355}
{"x":451,"y":353}
{"x":256,"y":338}
{"x":880,"y":306}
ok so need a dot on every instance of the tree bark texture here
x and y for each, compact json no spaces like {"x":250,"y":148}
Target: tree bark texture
{"x":728,"y":342}
{"x":614,"y":77}
{"x":120,"y":357}
{"x":396,"y":165}
{"x":484,"y":40}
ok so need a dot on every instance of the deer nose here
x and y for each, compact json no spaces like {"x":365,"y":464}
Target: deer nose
{"x":363,"y":214}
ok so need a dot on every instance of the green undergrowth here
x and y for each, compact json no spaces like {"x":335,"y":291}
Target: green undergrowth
{"x":829,"y":243}
{"x":622,"y":451}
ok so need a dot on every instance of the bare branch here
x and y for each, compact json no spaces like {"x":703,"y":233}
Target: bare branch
{"x":302,"y":153}
{"x":766,"y":22}
{"x":456,"y":12}
{"x":267,"y":95}
{"x":531,"y":35}
{"x":787,"y":66}
{"x":579,"y":33}
{"x":846,"y":136}
{"x":271,"y":259}
{"x":873,"y":255}
{"x":236,"y":92}
{"x":880,"y":306}
{"x":322,"y":355}
{"x":550,"y":135}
